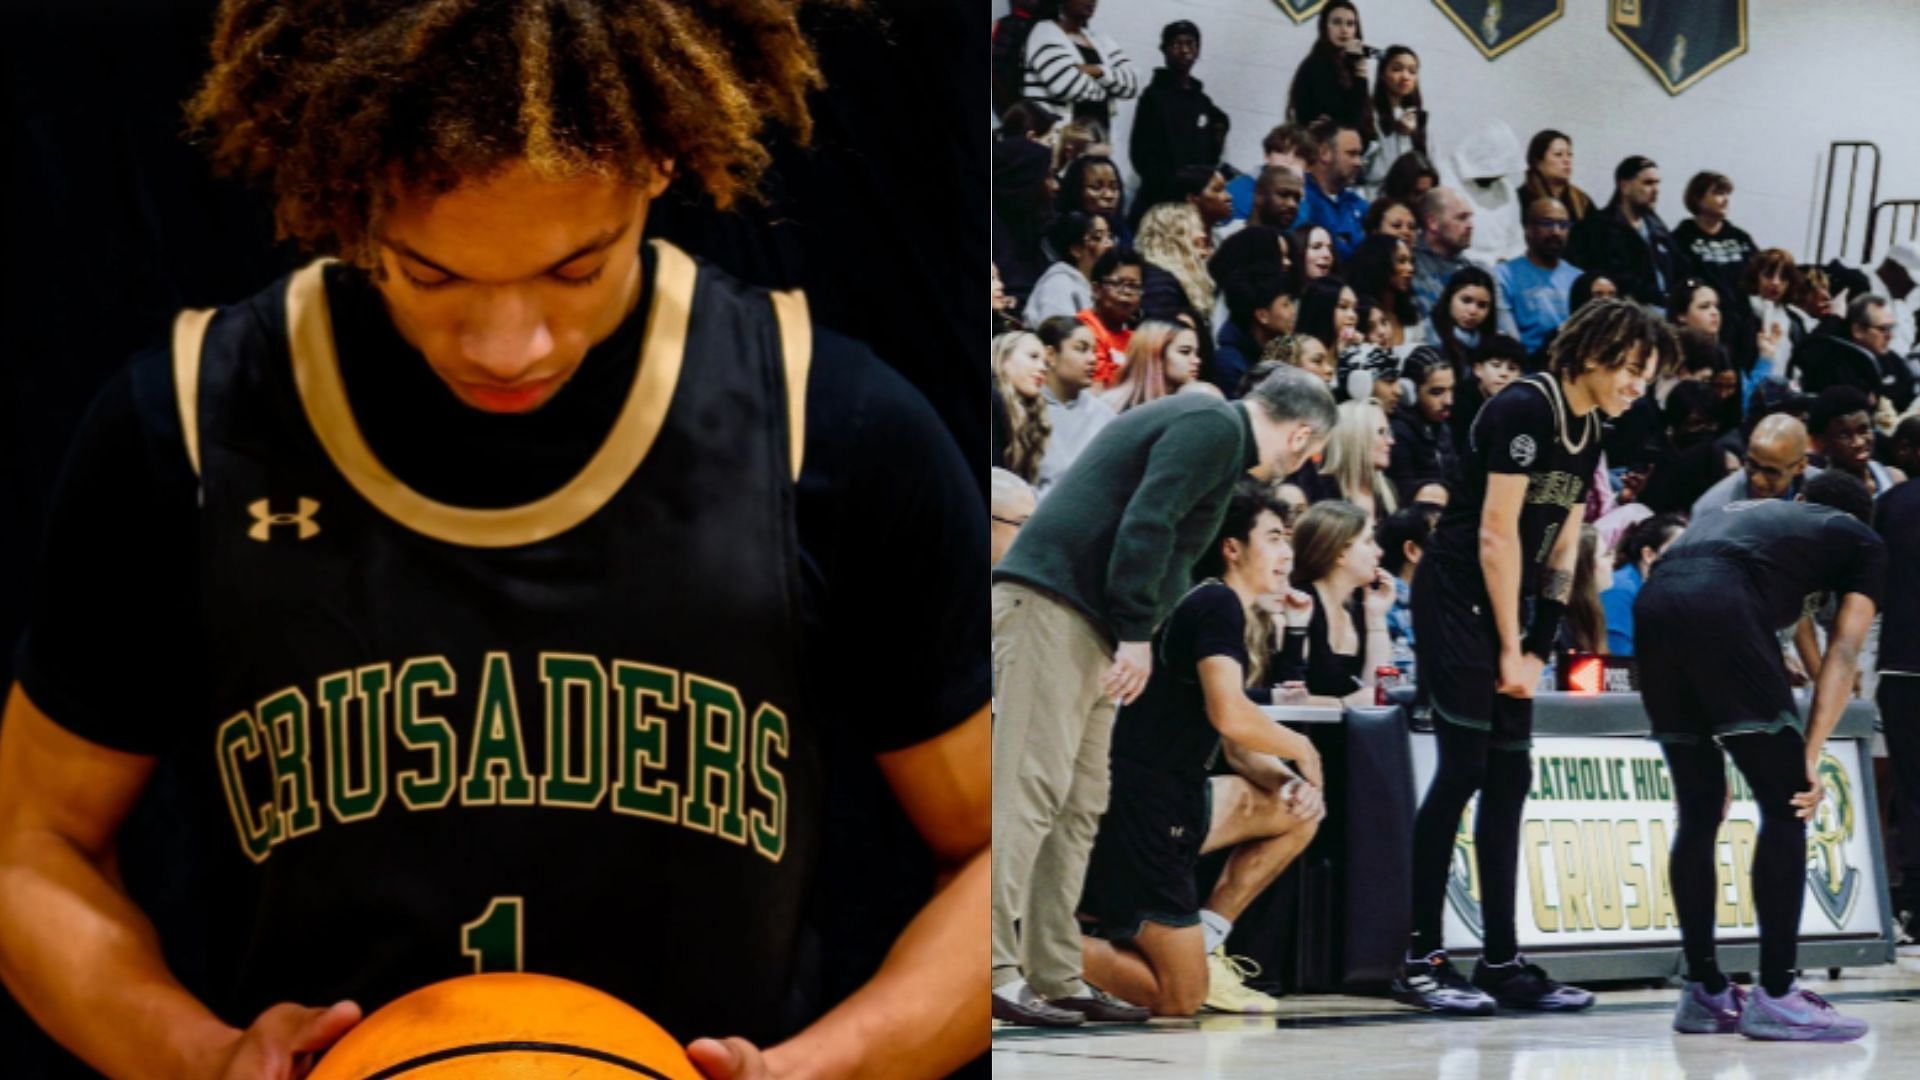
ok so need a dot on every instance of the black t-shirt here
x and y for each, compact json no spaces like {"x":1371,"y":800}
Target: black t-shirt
{"x":1897,"y":518}
{"x":1789,"y":551}
{"x":884,"y":499}
{"x":1332,"y":674}
{"x":1526,"y":430}
{"x":1167,"y":728}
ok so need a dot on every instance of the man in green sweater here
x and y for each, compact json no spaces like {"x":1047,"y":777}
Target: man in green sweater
{"x":1075,"y":602}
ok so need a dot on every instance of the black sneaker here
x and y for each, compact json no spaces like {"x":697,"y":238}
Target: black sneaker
{"x":1435,"y":985}
{"x":1020,"y":1005}
{"x":1097,"y":1004}
{"x":1520,"y":985}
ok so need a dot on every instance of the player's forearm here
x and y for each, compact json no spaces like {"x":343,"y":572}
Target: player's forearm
{"x":1243,"y":723}
{"x":1831,"y":691}
{"x":1500,"y":566}
{"x":1265,"y":771}
{"x":924,"y":1013}
{"x":86,"y":964}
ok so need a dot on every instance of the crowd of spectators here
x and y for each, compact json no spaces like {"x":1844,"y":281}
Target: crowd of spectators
{"x":1416,"y":295}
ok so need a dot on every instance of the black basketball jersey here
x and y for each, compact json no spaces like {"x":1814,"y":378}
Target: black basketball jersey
{"x":557,"y":737}
{"x":1526,"y":429}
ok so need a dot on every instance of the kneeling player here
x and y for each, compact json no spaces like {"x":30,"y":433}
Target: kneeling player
{"x":1736,"y":575}
{"x":1507,"y":544}
{"x":1148,"y":940}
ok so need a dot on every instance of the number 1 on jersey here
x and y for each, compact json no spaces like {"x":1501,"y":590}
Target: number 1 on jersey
{"x":493,"y":939}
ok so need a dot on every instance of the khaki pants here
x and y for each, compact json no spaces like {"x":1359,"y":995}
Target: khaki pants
{"x":1052,"y":727}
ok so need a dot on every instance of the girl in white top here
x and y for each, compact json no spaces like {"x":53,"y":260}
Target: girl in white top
{"x":1398,"y":116}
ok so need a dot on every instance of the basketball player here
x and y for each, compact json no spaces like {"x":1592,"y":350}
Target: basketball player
{"x":1487,"y":603}
{"x":1734,"y":577}
{"x":1147,"y":938}
{"x":487,"y":592}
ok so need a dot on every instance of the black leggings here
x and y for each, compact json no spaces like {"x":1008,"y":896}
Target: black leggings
{"x":1503,"y":778}
{"x":1775,"y":766}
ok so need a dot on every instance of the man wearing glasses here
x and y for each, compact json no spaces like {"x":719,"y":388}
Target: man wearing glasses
{"x":1859,"y":359}
{"x":1536,"y":289}
{"x":1118,"y":278}
{"x":1774,"y":468}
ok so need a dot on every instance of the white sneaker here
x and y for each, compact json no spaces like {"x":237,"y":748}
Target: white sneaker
{"x":1227,"y":990}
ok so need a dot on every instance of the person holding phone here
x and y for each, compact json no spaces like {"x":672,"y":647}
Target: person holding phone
{"x":1331,"y":82}
{"x":1488,"y":598}
{"x":1399,"y":116}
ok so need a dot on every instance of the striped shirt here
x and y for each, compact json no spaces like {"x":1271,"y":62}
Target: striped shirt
{"x":1054,"y":77}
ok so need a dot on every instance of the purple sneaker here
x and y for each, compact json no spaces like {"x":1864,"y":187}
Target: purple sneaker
{"x":1701,"y":1013}
{"x":1797,"y":1016}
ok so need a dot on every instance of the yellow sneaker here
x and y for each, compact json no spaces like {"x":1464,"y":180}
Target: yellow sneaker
{"x":1227,"y":990}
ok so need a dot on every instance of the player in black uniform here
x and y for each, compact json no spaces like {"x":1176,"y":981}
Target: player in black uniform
{"x":1487,"y":603}
{"x":1737,"y":575}
{"x":1149,"y":940}
{"x":492,"y":593}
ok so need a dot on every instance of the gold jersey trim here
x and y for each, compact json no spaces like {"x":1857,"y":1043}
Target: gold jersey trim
{"x":1549,"y":387}
{"x":796,"y":348}
{"x":323,"y":395}
{"x":189,"y":334}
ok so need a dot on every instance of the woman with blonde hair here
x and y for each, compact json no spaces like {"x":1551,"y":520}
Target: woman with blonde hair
{"x":1020,"y":426}
{"x":1162,"y":357}
{"x":1357,"y":457}
{"x":1174,"y":241}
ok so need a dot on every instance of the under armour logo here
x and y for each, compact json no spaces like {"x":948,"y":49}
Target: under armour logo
{"x":264,"y":521}
{"x":1177,"y":831}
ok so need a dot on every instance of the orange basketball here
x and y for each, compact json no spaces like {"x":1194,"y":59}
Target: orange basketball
{"x":506,"y":1027}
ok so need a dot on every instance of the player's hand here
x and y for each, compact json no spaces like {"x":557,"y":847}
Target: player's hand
{"x":1297,"y":607}
{"x":1519,"y":673}
{"x":1306,"y":759}
{"x":1806,"y":802}
{"x":1379,"y":596}
{"x":1132,"y":664}
{"x":282,"y":1042}
{"x":729,"y":1059}
{"x":1307,"y":802}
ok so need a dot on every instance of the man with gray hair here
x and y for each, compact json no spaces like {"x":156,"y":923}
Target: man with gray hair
{"x":1075,"y":603}
{"x":1774,"y":467}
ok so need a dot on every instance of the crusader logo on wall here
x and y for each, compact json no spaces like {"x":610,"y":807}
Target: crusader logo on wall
{"x":1680,"y":41}
{"x":1494,"y":26}
{"x":1300,"y":10}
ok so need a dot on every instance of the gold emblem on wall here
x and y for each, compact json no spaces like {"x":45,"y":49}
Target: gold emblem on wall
{"x":1300,"y":10}
{"x":1680,"y":41}
{"x":1494,"y":26}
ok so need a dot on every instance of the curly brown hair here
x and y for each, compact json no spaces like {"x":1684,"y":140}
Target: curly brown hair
{"x":337,"y":104}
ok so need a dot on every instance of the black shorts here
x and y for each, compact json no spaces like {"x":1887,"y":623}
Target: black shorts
{"x":1709,"y":661}
{"x":1457,"y":649}
{"x":1142,"y":867}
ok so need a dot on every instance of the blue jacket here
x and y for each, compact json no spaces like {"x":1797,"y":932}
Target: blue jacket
{"x":1344,"y":217}
{"x":1617,"y":604}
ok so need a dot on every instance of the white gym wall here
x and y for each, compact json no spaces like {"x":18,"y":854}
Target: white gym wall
{"x":1813,"y":72}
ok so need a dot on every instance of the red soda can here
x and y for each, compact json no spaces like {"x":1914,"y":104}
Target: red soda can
{"x":1385,"y":678}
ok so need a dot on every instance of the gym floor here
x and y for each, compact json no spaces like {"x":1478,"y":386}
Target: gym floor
{"x":1625,"y":1035}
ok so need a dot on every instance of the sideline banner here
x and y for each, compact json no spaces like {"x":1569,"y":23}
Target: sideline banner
{"x":1680,"y":41}
{"x":1494,"y":26}
{"x":1594,"y":841}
